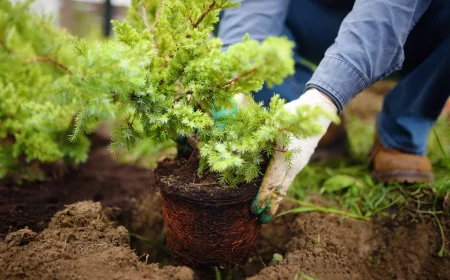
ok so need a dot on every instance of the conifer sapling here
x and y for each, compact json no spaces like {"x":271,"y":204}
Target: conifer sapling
{"x":167,"y":73}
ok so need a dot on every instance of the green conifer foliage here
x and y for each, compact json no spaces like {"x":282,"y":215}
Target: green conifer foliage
{"x":161,"y":77}
{"x":34,"y":59}
{"x":167,"y":73}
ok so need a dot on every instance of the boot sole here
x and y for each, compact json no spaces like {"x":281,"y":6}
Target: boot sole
{"x":403,"y":177}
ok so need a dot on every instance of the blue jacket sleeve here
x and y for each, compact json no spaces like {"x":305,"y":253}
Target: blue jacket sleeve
{"x":259,"y":18}
{"x":369,"y":46}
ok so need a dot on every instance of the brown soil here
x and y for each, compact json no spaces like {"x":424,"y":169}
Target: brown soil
{"x":99,"y":179}
{"x":327,"y":246}
{"x":80,"y":242}
{"x":180,"y":177}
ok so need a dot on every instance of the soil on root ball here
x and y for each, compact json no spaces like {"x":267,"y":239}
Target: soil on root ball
{"x":206,"y":224}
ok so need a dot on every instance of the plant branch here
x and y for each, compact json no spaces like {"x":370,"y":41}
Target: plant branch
{"x":147,"y":25}
{"x":158,"y":12}
{"x":50,"y":60}
{"x":190,"y":20}
{"x":202,"y":16}
{"x":8,"y":50}
{"x":237,"y":78}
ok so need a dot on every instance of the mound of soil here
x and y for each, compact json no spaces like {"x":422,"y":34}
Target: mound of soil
{"x":327,"y":246}
{"x":79,"y":243}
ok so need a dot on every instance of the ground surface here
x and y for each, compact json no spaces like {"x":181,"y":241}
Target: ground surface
{"x":328,"y":247}
{"x":100,"y":179}
{"x":89,"y":240}
{"x":80,"y":242}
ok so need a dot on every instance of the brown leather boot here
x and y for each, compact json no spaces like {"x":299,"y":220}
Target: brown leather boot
{"x":334,"y":145}
{"x":389,"y":166}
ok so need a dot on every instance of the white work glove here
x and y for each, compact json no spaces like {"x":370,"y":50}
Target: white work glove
{"x":279,"y":176}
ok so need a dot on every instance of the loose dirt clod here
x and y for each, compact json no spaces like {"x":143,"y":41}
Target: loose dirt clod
{"x":79,"y":243}
{"x":20,"y":237}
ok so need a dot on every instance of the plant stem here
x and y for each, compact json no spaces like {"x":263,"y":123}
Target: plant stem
{"x":8,"y":50}
{"x":200,"y":19}
{"x":158,"y":12}
{"x":217,"y":273}
{"x":309,"y":207}
{"x":50,"y":60}
{"x":237,"y":78}
{"x":442,"y":252}
{"x":387,"y":206}
{"x":147,"y":25}
{"x":429,"y":212}
{"x":148,"y":241}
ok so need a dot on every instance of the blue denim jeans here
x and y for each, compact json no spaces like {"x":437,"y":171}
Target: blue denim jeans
{"x":412,"y":107}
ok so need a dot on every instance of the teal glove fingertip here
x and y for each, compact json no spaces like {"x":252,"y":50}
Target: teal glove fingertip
{"x":265,"y":217}
{"x":255,"y":207}
{"x":218,"y":114}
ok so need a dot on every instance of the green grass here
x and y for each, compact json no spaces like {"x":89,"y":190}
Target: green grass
{"x":159,"y":247}
{"x":349,"y":183}
{"x":304,"y":276}
{"x":309,"y":207}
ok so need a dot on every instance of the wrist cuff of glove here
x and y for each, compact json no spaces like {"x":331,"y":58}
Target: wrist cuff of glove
{"x":314,"y":97}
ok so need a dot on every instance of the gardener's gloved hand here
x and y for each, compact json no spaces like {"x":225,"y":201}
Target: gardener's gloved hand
{"x":278,"y":176}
